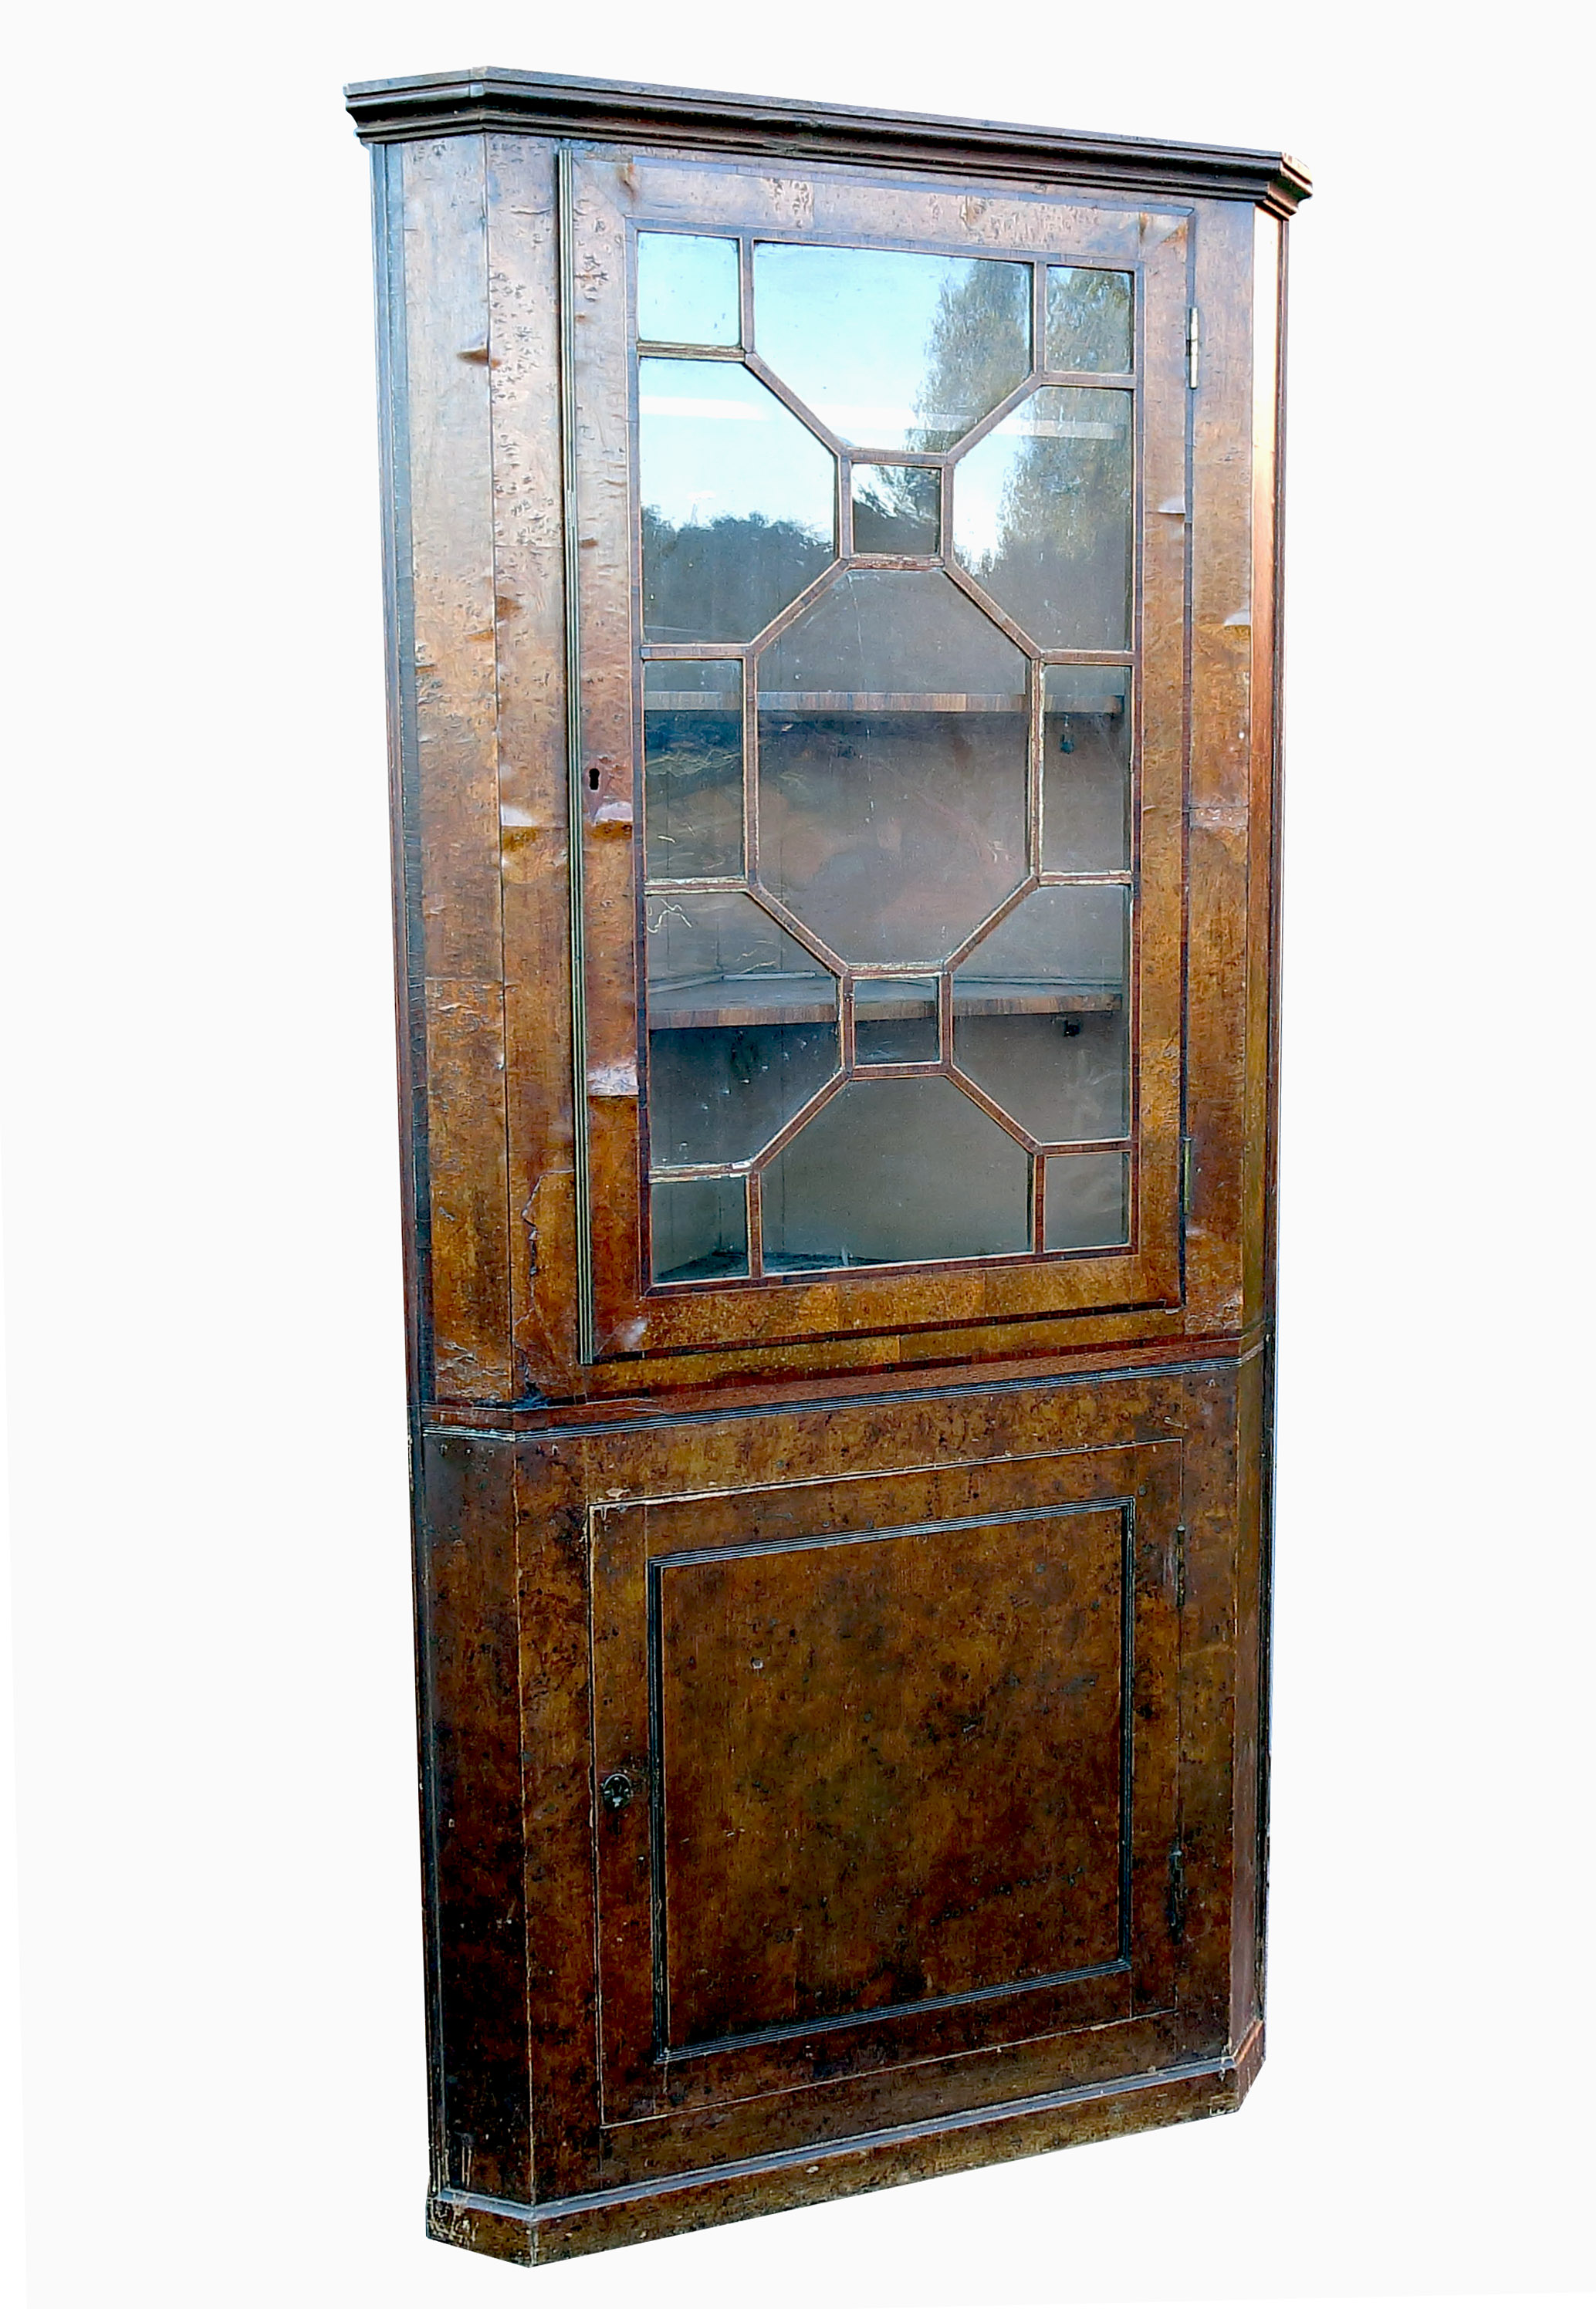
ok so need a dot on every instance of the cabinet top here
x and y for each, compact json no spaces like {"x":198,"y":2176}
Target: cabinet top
{"x":546,"y":104}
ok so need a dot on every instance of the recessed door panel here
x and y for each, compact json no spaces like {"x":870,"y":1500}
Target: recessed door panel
{"x":886,"y":1770}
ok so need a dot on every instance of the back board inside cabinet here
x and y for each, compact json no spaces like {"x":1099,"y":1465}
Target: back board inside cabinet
{"x":833,"y":654}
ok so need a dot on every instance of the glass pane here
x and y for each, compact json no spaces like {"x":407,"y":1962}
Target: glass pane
{"x":893,"y":750}
{"x":907,"y":1169}
{"x":893,"y":732}
{"x":742,"y":1027}
{"x":739,"y":502}
{"x":1089,"y":318}
{"x":699,"y":1228}
{"x":1039,"y":1013}
{"x":692,"y":767}
{"x":687,"y":290}
{"x":889,"y":349}
{"x":1086,"y":778}
{"x":895,"y":1022}
{"x":1086,"y":1201}
{"x":1042,"y":516}
{"x":897,"y":509}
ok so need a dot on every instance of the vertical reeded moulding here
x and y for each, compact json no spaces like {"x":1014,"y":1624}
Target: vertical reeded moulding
{"x":835,"y":769}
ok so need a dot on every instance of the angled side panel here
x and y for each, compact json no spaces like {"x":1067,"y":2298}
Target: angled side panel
{"x":387,"y":218}
{"x":1263,"y":953}
{"x":1218,"y":852}
{"x":446,"y":646}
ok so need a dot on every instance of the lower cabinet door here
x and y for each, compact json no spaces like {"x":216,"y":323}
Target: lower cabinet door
{"x":886,"y":1772}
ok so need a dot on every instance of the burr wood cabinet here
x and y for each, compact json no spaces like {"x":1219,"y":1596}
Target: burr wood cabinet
{"x":833,"y":627}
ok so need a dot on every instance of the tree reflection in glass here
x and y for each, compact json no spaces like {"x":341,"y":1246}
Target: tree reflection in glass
{"x":692,"y":767}
{"x":1042,"y":516}
{"x":739,"y":502}
{"x":890,"y":349}
{"x":1089,"y":318}
{"x":896,"y":508}
{"x":891,"y":812}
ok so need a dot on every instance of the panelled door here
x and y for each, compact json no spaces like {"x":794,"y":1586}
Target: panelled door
{"x":886,"y":1773}
{"x":877,"y":522}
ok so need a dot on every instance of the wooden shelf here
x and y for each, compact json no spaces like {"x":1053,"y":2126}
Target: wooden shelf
{"x":1026,"y":998}
{"x":891,"y":700}
{"x":767,"y":999}
{"x":727,"y":705}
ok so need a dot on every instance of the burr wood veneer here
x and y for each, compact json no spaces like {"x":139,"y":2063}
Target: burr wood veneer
{"x":833,"y":629}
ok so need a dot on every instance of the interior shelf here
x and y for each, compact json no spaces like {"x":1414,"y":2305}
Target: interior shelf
{"x":869,"y":701}
{"x":767,"y":999}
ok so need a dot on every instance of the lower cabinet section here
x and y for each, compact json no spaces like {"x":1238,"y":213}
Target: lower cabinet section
{"x":882,"y":1777}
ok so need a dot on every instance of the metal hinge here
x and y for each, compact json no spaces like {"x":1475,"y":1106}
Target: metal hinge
{"x":1174,"y":1904}
{"x":1180,"y":1567}
{"x":1185,"y":1178}
{"x":1194,"y":334}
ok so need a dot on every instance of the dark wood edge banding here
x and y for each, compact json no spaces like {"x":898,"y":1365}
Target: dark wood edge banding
{"x":642,"y":1416}
{"x":889,"y":2137}
{"x":459,"y":104}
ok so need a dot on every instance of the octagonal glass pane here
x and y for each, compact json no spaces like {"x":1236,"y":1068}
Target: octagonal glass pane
{"x":742,"y":1027}
{"x":891,"y":350}
{"x":892,"y":756}
{"x":1040,"y":1014}
{"x":739,"y":501}
{"x":1042,"y":516}
{"x":900,"y":1169}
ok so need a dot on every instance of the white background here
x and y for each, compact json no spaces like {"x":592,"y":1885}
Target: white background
{"x":222,"y":2018}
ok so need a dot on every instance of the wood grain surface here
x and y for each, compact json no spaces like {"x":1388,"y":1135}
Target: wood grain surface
{"x":844,"y":1696}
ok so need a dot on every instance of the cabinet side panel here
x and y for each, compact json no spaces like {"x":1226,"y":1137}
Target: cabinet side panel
{"x":1251,"y":1730}
{"x":454,"y":771}
{"x":1264,"y":983}
{"x":1200,"y":1892}
{"x":387,"y":218}
{"x":1263,"y":851}
{"x":1221,"y":763}
{"x":1273,"y":262}
{"x":472,"y":1807}
{"x":533,"y":840}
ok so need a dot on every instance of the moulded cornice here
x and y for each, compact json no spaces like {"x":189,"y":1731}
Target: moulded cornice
{"x":541,"y":103}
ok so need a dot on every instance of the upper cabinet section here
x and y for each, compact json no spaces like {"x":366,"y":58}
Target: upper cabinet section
{"x":836,"y":727}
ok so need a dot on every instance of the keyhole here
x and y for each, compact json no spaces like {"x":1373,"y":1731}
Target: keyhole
{"x":593,"y":779}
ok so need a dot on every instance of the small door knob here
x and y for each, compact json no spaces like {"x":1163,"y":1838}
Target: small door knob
{"x":615,"y":1792}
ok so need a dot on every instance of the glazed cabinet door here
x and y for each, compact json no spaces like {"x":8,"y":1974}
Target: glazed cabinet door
{"x":877,"y":494}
